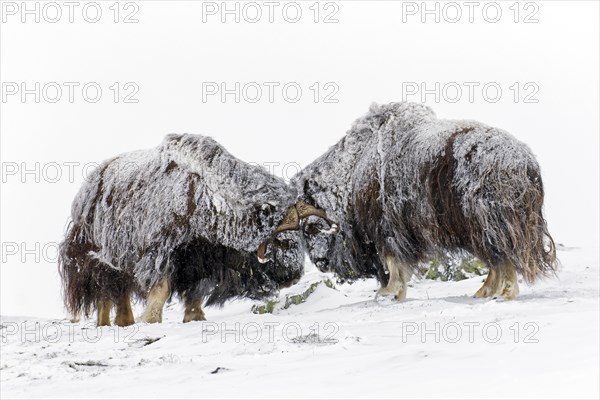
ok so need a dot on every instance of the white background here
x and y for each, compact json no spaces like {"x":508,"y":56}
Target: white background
{"x":371,"y":53}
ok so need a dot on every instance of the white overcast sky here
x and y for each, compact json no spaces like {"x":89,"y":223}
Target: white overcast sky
{"x":545,"y":51}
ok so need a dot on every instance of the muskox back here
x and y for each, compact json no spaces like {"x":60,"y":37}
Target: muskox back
{"x":408,"y":185}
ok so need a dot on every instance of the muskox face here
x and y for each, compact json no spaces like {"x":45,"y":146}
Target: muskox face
{"x":286,"y":239}
{"x":285,"y":255}
{"x":319,"y":242}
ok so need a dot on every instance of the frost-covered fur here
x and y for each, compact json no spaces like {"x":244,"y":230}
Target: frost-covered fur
{"x":186,"y":211}
{"x":404,"y":184}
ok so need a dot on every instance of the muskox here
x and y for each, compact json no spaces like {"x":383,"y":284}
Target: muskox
{"x":404,"y":185}
{"x":187,"y":219}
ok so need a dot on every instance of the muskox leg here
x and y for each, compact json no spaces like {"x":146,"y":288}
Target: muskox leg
{"x":500,"y":282}
{"x":104,"y":313}
{"x":124,"y":312}
{"x":156,"y":301}
{"x":193,"y":312}
{"x":397,"y":279}
{"x":74,"y":318}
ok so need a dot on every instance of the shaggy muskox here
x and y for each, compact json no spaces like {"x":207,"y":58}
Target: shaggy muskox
{"x":404,"y":185}
{"x":185,"y":218}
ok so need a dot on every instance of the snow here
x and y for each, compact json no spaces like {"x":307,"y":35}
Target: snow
{"x":366,"y":347}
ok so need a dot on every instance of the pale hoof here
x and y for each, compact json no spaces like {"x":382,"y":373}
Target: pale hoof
{"x":483,"y":292}
{"x":499,"y":287}
{"x":151,"y":319}
{"x":399,"y":295}
{"x":193,"y":314}
{"x":124,"y":321}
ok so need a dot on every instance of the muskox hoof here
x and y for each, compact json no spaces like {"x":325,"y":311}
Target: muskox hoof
{"x":398,"y":294}
{"x":199,"y":317}
{"x":194,"y":313}
{"x":508,"y":293}
{"x":124,"y":320}
{"x":124,"y":312}
{"x":499,"y":284}
{"x":483,"y":292}
{"x":150,"y":320}
{"x":156,"y":300}
{"x":151,"y":317}
{"x":398,"y":275}
{"x":103,"y":313}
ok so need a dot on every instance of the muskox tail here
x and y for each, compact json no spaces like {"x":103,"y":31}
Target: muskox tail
{"x":86,"y":280}
{"x":515,"y":233}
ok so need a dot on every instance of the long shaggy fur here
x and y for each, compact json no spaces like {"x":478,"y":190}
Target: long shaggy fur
{"x":187,"y":211}
{"x":403,"y":183}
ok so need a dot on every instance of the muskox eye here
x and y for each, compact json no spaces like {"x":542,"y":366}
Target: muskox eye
{"x":267,"y":209}
{"x":282,"y":244}
{"x":312,"y":229}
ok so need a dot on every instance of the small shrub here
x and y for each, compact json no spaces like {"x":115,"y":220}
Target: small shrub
{"x":290,"y":300}
{"x":453,"y":268}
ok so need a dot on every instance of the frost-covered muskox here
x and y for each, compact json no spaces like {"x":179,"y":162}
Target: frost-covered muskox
{"x":404,"y":185}
{"x":187,"y":219}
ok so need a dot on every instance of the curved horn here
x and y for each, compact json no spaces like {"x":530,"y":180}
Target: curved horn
{"x":306,"y":210}
{"x":290,"y":222}
{"x":260,"y":253}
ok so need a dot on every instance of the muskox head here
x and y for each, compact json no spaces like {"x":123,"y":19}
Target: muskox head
{"x":278,"y":245}
{"x":318,"y":242}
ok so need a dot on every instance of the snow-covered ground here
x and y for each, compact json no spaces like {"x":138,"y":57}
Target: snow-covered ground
{"x":342,"y":342}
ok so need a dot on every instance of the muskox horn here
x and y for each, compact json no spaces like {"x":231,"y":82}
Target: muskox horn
{"x":306,"y":210}
{"x":291,"y":222}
